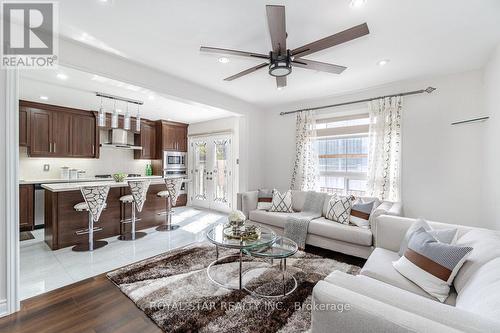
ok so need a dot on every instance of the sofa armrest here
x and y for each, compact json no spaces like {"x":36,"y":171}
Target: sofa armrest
{"x":373,"y":306}
{"x":389,"y":231}
{"x":247,"y":201}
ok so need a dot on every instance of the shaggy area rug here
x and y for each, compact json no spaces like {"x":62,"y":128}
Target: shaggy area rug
{"x":173,"y":289}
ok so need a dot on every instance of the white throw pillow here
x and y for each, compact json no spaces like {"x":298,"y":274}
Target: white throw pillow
{"x":339,"y":209}
{"x":282,"y":202}
{"x":448,"y":236}
{"x":430,"y":264}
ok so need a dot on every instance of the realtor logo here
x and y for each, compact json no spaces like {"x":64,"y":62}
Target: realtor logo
{"x":29,"y":34}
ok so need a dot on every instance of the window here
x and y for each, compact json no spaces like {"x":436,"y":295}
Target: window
{"x":342,"y":146}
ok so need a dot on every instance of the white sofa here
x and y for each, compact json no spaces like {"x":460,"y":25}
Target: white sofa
{"x":382,"y":300}
{"x":323,"y":233}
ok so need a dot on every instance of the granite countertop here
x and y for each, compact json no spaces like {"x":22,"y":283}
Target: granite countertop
{"x":74,"y":186}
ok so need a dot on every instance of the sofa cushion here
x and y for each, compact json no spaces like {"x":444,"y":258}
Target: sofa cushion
{"x":485,"y":244}
{"x":481,"y":294}
{"x":347,"y":233}
{"x":379,"y":267}
{"x":298,"y":200}
{"x":339,"y":209}
{"x":271,"y":218}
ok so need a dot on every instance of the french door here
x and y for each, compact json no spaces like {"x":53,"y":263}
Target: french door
{"x":211,"y":172}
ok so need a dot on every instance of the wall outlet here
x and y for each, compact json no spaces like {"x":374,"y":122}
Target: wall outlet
{"x":46,"y":167}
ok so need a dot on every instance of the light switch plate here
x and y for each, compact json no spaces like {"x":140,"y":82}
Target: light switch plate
{"x":46,"y":167}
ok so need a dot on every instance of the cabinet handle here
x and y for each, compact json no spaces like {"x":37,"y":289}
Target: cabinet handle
{"x":93,"y":150}
{"x":50,"y":147}
{"x":54,"y":147}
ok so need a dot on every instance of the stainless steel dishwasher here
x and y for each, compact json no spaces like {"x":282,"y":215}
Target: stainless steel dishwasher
{"x":39,"y":206}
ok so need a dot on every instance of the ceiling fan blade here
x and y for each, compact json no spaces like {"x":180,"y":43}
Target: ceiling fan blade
{"x":338,"y":38}
{"x":277,"y":28}
{"x":281,"y":81}
{"x":233,"y":52}
{"x":246,"y":71}
{"x":318,"y":66}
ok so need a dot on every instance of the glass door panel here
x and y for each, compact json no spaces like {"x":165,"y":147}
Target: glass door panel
{"x":199,"y":173}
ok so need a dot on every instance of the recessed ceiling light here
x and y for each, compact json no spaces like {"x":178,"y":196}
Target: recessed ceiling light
{"x":223,"y":60}
{"x":279,"y":88}
{"x":357,"y":3}
{"x":44,"y":98}
{"x":62,"y":76}
{"x":151,"y":97}
{"x":383,"y":62}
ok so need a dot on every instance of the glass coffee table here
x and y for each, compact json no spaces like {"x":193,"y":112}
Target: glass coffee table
{"x":216,"y":236}
{"x":280,"y":249}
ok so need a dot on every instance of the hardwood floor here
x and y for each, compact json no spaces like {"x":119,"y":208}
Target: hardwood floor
{"x":94,"y":305}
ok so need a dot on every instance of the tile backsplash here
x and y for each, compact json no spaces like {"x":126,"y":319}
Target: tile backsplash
{"x":110,"y":161}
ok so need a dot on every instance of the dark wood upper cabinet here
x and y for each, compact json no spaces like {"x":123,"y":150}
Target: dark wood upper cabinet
{"x":56,"y":131}
{"x":41,"y":133}
{"x":61,"y":134}
{"x":26,"y":207}
{"x":24,"y":127}
{"x":171,"y":136}
{"x":147,"y":140}
{"x":83,"y":136}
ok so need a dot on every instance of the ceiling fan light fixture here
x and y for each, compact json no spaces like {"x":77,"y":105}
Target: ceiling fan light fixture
{"x":280,"y":68}
{"x":223,"y":60}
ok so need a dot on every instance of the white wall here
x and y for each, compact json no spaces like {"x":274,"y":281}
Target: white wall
{"x":3,"y":221}
{"x":491,"y":162}
{"x":441,"y":167}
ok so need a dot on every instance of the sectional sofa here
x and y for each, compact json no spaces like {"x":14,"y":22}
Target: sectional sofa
{"x":322,"y":233}
{"x":379,"y":299}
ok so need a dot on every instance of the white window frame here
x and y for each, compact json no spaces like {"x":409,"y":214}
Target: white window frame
{"x":338,"y":133}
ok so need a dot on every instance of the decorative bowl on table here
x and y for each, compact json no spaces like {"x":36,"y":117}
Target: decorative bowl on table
{"x":237,"y":229}
{"x":119,"y":177}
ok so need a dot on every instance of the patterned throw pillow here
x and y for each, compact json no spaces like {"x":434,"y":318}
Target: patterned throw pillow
{"x":265,"y":199}
{"x":430,"y":264}
{"x":339,"y":209}
{"x":282,"y":202}
{"x":360,"y":214}
{"x":448,"y":236}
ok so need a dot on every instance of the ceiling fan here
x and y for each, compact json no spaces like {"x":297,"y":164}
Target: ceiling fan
{"x":280,"y":60}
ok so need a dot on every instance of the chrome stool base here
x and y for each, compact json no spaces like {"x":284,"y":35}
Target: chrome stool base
{"x":167,"y":227}
{"x":86,"y":247}
{"x":129,"y":236}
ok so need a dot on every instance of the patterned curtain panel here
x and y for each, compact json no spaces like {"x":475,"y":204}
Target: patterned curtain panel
{"x":384,"y":154}
{"x":305,"y":169}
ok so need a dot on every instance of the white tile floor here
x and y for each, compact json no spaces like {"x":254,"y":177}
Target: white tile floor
{"x":43,"y":270}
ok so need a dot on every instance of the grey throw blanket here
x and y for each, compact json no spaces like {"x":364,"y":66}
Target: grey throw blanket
{"x":296,"y":225}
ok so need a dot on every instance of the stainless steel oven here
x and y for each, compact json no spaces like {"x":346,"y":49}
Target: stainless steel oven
{"x":174,"y":160}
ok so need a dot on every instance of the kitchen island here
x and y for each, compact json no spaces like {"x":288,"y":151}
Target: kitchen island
{"x":62,"y":221}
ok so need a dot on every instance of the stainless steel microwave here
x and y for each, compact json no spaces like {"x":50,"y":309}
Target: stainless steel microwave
{"x":174,"y":160}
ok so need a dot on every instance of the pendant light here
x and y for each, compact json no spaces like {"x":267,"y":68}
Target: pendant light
{"x":114,"y":117}
{"x":126,"y":120}
{"x":101,"y":116}
{"x":138,"y":120}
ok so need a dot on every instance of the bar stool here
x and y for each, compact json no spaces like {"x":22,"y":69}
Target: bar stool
{"x":171,"y":195}
{"x":95,"y":201}
{"x":139,"y":190}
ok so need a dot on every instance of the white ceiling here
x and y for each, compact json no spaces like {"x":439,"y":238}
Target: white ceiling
{"x":79,"y":88}
{"x":421,"y":38}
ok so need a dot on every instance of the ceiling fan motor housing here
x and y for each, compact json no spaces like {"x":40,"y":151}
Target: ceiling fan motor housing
{"x":280,"y":65}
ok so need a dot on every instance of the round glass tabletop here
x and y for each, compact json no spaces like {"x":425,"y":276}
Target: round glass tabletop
{"x":216,"y":236}
{"x":282,"y":247}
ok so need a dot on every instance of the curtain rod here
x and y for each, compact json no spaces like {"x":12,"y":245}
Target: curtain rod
{"x":415,"y":92}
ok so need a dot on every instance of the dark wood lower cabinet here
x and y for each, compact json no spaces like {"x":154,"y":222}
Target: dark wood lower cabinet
{"x":26,"y":207}
{"x":62,"y":221}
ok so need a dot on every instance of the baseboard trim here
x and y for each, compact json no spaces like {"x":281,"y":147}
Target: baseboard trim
{"x":3,"y":307}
